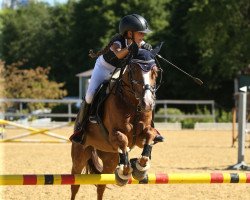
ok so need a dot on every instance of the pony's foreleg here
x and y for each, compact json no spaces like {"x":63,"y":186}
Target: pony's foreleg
{"x":147,"y":148}
{"x":141,"y":165}
{"x":123,"y":172}
{"x":80,"y":157}
{"x":120,"y":141}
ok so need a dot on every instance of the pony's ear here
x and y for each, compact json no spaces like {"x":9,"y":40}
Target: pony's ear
{"x":156,"y":50}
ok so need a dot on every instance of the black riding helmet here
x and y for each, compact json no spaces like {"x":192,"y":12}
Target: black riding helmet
{"x":135,"y":23}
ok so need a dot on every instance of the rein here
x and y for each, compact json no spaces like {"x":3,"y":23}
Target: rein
{"x":161,"y":72}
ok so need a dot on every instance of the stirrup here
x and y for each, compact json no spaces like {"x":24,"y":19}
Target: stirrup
{"x":93,"y":119}
{"x":77,"y":139}
{"x":77,"y":136}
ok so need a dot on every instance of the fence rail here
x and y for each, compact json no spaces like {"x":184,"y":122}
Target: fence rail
{"x":166,"y":116}
{"x":159,"y":103}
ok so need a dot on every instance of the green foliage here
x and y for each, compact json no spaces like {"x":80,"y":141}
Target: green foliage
{"x":209,"y":39}
{"x":177,"y":116}
{"x":221,"y":31}
{"x":31,"y":83}
{"x":25,"y":34}
{"x":169,"y":111}
{"x":61,"y":36}
{"x":2,"y":85}
{"x":221,"y":34}
{"x":2,"y":80}
{"x":223,"y":116}
{"x":40,"y":35}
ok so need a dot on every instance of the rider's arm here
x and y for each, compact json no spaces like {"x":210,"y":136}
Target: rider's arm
{"x":120,"y":53}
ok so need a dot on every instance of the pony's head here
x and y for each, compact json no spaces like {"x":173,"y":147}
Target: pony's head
{"x":142,"y":75}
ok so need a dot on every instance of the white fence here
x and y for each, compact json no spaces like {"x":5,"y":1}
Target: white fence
{"x":165,"y":104}
{"x":69,"y":102}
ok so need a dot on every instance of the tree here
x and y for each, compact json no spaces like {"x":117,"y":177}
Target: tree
{"x":25,"y":34}
{"x":2,"y":82}
{"x":180,"y":52}
{"x":220,"y":31}
{"x":31,"y":83}
{"x":209,"y":39}
{"x":61,"y":36}
{"x":39,"y":34}
{"x":2,"y":85}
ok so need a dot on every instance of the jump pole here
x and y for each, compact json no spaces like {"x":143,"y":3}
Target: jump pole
{"x":102,"y":179}
{"x":34,"y":131}
{"x":242,"y":113}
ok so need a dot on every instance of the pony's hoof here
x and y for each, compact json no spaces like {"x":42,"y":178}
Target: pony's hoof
{"x":121,"y":179}
{"x":139,"y":173}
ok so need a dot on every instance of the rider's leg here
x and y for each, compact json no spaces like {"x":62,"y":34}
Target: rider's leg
{"x":80,"y":122}
{"x":99,"y":74}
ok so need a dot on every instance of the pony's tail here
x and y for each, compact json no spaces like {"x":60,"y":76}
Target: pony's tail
{"x":93,"y":165}
{"x":106,"y":48}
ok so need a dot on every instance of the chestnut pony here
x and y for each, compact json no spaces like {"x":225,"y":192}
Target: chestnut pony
{"x":126,"y":122}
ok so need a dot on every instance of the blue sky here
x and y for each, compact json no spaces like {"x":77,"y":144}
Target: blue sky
{"x":51,"y":2}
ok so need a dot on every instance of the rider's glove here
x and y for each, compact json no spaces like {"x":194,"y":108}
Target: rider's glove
{"x":133,"y":49}
{"x":147,"y":46}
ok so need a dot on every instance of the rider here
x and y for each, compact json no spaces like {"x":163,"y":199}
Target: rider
{"x":132,"y":29}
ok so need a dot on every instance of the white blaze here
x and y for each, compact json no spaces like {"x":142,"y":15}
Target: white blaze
{"x":148,"y":97}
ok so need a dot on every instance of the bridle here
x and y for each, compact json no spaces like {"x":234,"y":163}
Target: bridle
{"x":147,"y":61}
{"x":132,"y":84}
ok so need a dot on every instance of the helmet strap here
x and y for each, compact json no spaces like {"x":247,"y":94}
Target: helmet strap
{"x":130,"y":38}
{"x":133,"y":36}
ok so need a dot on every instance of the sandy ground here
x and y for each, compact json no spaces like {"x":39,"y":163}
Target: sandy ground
{"x":183,"y":151}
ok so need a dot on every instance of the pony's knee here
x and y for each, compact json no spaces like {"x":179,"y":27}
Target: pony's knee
{"x":149,"y":134}
{"x":119,"y":139}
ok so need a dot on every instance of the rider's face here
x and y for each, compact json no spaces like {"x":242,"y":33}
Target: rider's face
{"x":138,"y":36}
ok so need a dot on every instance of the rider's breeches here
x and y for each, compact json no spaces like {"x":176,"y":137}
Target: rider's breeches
{"x":102,"y":71}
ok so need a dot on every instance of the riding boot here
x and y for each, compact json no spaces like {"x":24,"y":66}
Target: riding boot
{"x":80,"y":122}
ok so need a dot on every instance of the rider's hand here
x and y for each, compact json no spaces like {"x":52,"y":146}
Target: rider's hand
{"x":147,"y":46}
{"x":133,"y":48}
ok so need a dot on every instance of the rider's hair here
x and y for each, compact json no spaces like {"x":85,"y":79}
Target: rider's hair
{"x":106,"y":48}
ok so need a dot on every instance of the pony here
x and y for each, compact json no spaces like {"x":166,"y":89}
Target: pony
{"x":125,"y":121}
